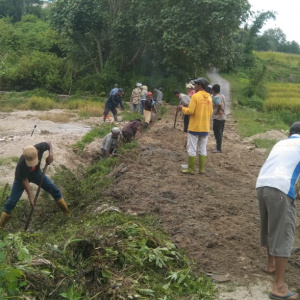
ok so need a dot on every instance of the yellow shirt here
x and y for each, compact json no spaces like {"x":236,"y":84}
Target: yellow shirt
{"x":200,"y":110}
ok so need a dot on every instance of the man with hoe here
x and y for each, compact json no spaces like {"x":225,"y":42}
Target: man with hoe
{"x":200,"y":111}
{"x":28,"y":170}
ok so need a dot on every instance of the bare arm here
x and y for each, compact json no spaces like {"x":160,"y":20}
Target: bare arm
{"x":27,"y":188}
{"x":49,"y":159}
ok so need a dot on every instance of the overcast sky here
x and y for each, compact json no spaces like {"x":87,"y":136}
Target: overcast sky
{"x":287,"y":18}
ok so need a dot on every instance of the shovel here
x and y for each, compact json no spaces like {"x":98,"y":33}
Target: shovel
{"x":36,"y":197}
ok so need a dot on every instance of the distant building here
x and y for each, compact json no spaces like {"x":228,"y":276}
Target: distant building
{"x":45,"y":3}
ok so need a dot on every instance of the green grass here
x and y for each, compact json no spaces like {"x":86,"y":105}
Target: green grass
{"x":251,"y":122}
{"x":265,"y":143}
{"x":8,"y":160}
{"x":97,"y":132}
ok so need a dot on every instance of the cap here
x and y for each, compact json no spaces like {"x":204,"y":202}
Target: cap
{"x":201,"y":81}
{"x":31,"y":156}
{"x":295,"y":128}
{"x":115,"y":130}
{"x":121,"y":90}
{"x":138,"y":84}
{"x":149,"y":94}
{"x":176,"y":92}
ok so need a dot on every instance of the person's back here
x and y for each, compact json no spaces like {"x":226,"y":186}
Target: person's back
{"x":200,"y":110}
{"x":281,"y":169}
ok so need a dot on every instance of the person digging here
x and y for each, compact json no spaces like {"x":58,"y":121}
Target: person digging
{"x":28,"y":170}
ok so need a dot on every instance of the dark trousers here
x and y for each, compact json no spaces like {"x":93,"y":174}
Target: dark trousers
{"x":18,"y":188}
{"x":218,"y":127}
{"x":186,"y":120}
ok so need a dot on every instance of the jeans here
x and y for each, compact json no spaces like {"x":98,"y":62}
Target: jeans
{"x":135,"y":107}
{"x":142,"y":106}
{"x":218,"y":128}
{"x":18,"y":189}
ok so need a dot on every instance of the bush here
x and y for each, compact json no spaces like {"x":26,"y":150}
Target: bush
{"x":253,"y":102}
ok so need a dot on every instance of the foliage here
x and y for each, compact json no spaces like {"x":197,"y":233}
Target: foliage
{"x":97,"y":132}
{"x":97,"y":255}
{"x":275,"y":40}
{"x":30,"y":55}
{"x":253,"y":102}
{"x":12,"y":279}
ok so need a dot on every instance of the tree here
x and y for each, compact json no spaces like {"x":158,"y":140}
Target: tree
{"x":16,"y":9}
{"x":254,"y":29}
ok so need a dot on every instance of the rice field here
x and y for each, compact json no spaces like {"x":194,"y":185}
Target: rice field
{"x":283,"y":96}
{"x":292,"y":60}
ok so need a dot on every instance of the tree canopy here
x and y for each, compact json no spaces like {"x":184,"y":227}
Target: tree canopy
{"x":91,"y":44}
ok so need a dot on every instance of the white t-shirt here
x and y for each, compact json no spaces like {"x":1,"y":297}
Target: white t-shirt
{"x":282,"y":167}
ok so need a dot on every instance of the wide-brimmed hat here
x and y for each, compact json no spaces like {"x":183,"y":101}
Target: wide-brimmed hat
{"x":31,"y":156}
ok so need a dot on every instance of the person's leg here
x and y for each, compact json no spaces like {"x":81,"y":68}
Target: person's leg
{"x":191,"y":148}
{"x":263,"y":213}
{"x":186,"y":119}
{"x":142,"y":106}
{"x":217,"y":128}
{"x":15,"y":195}
{"x":201,"y":149}
{"x":103,"y":153}
{"x":147,"y":115}
{"x":105,"y":113}
{"x":281,"y":232}
{"x":114,"y":112}
{"x":48,"y":186}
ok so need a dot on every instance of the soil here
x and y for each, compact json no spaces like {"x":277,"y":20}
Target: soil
{"x":214,"y":217}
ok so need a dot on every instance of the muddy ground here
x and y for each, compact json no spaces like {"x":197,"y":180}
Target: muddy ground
{"x":214,"y":217}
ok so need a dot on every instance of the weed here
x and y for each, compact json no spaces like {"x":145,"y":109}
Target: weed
{"x":265,"y":143}
{"x":57,"y":118}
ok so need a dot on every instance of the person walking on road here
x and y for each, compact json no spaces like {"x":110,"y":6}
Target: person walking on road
{"x":112,"y":103}
{"x":219,"y":116}
{"x":184,"y":100}
{"x":276,"y":196}
{"x":200,"y":111}
{"x":28,"y":170}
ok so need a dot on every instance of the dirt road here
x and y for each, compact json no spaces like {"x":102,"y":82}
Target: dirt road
{"x":214,"y":217}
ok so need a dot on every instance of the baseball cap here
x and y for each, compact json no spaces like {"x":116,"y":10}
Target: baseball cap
{"x":121,"y":90}
{"x":295,"y":128}
{"x":31,"y":156}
